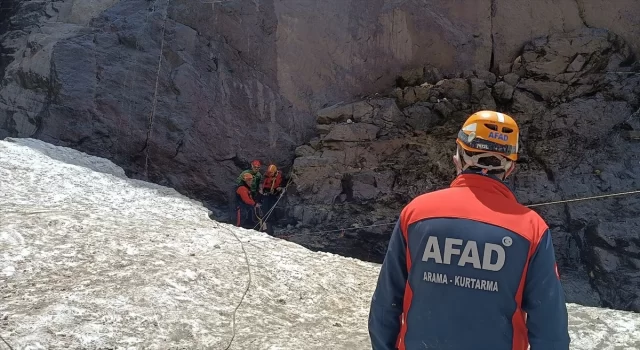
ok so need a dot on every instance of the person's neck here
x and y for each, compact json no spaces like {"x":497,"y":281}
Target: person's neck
{"x":478,"y":171}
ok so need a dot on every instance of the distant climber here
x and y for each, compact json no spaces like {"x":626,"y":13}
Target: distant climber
{"x":468,"y":267}
{"x":271,"y":190}
{"x":246,"y":206}
{"x":256,"y":165}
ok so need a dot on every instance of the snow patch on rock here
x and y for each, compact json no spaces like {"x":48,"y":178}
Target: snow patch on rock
{"x":91,"y":259}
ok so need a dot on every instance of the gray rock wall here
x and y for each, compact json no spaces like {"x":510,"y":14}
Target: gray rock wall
{"x":241,"y":79}
{"x":575,"y":97}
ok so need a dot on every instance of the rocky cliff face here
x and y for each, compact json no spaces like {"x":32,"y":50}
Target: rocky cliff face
{"x":154,"y":86}
{"x":185,"y":93}
{"x":575,"y":97}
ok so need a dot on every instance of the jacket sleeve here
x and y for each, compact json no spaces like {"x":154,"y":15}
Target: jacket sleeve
{"x":544,"y":302}
{"x":386,"y":303}
{"x":243,"y":192}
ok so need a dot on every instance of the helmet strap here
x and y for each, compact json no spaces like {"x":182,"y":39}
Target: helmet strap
{"x":457,"y":162}
{"x":463,"y":161}
{"x":512,"y":167}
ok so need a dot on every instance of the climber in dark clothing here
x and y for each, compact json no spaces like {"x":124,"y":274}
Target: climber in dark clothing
{"x":246,"y":215}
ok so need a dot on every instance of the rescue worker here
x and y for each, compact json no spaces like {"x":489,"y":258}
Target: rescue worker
{"x":257,"y":178}
{"x":468,"y":267}
{"x":270,"y":189}
{"x":246,"y":206}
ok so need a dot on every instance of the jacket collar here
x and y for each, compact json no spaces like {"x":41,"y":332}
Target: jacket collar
{"x":487,"y":183}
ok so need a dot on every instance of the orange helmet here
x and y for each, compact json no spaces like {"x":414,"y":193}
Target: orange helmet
{"x":490,"y":132}
{"x":272,"y":169}
{"x":247,"y":177}
{"x":256,"y":163}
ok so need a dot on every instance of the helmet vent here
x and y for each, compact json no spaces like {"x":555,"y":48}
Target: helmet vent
{"x":492,"y":126}
{"x":506,"y":130}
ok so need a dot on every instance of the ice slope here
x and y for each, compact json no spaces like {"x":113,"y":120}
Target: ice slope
{"x":92,"y":260}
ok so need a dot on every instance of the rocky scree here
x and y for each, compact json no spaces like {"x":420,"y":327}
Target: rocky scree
{"x":575,"y":97}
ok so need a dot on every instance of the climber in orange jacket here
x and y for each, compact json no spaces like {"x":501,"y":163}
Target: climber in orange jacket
{"x":271,"y":189}
{"x":271,"y":185}
{"x":272,"y":181}
{"x":246,"y":206}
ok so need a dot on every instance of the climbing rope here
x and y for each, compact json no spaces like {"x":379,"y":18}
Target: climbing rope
{"x":266,"y":216}
{"x":246,"y":258}
{"x":257,"y":213}
{"x":246,"y":289}
{"x":155,"y":93}
{"x":262,"y":220}
{"x":584,"y":198}
{"x":7,"y":344}
{"x":528,"y":205}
